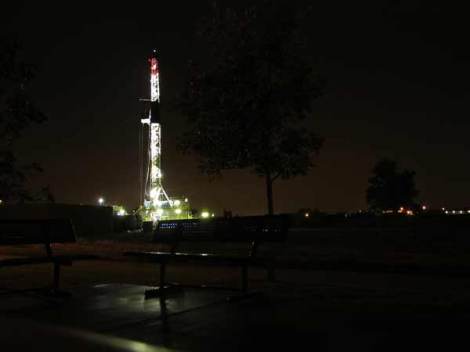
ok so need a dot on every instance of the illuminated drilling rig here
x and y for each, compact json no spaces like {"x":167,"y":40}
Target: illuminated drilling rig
{"x":155,"y":199}
{"x":156,"y":205}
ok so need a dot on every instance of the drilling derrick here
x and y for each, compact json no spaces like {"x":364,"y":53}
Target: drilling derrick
{"x":155,"y":198}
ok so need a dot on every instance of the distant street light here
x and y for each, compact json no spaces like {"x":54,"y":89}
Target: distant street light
{"x":100,"y":200}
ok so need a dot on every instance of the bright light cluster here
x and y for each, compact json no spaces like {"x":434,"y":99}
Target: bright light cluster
{"x":206,"y":214}
{"x":157,"y":197}
{"x":456,"y":212}
{"x":402,"y":210}
{"x":157,"y":204}
{"x":154,"y":80}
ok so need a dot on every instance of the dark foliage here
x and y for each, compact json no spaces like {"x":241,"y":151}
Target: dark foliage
{"x":17,"y":112}
{"x":246,"y":102}
{"x":390,"y":189}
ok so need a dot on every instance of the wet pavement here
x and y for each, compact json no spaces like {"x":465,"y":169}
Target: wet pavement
{"x":107,"y":308}
{"x":292,"y":314}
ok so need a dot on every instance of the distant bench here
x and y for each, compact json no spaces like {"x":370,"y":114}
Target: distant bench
{"x":251,"y":231}
{"x":44,"y":232}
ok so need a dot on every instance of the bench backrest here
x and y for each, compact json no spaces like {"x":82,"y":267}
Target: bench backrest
{"x":251,"y":229}
{"x":169,"y":231}
{"x":42,"y":231}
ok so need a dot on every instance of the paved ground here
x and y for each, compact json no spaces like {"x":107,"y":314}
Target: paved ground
{"x":379,"y":304}
{"x":320,"y":310}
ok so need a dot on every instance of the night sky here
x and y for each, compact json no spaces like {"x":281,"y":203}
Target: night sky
{"x":397,"y":71}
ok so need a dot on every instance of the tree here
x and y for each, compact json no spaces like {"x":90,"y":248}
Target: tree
{"x":17,"y":112}
{"x":390,"y":189}
{"x":246,"y":101}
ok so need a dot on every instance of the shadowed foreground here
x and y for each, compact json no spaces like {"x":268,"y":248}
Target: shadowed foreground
{"x":331,"y":308}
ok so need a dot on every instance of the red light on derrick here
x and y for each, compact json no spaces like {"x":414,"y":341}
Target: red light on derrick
{"x":153,"y":66}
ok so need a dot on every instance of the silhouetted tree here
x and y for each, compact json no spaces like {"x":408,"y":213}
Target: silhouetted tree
{"x":390,"y":189}
{"x":46,"y":195}
{"x":17,"y":112}
{"x":246,"y":101}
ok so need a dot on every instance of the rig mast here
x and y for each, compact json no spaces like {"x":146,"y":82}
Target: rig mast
{"x":155,"y":197}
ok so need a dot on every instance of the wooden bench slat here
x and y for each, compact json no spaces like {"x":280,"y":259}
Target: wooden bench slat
{"x":165,"y":257}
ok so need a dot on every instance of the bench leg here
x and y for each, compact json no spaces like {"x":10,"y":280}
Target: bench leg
{"x":162,"y":295}
{"x":56,"y":291}
{"x":271,"y":275}
{"x":56,"y":280}
{"x":157,"y":291}
{"x":244,"y":278}
{"x":162,"y":275}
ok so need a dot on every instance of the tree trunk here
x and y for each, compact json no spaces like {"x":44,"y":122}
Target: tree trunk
{"x":269,"y":194}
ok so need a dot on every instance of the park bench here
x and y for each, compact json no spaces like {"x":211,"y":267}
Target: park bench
{"x":252,"y":231}
{"x":42,"y":232}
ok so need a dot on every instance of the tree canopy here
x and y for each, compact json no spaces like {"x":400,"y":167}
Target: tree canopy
{"x":246,"y":101}
{"x":389,"y":188}
{"x":17,"y":112}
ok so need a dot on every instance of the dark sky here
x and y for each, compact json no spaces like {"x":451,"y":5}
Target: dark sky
{"x":398,"y":74}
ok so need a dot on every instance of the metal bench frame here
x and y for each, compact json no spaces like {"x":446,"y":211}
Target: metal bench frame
{"x":253,"y":230}
{"x":44,"y":232}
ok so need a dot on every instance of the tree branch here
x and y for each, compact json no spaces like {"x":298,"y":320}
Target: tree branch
{"x":276,"y":177}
